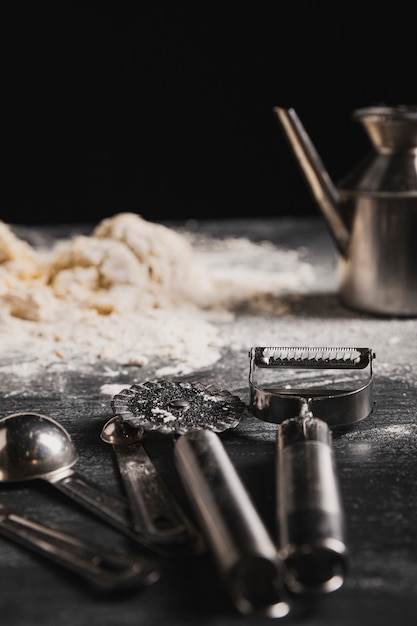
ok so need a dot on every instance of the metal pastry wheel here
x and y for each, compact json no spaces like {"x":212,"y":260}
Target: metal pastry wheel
{"x":178,"y":407}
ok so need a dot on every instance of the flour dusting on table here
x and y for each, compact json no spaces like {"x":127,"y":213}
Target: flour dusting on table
{"x":132,"y":291}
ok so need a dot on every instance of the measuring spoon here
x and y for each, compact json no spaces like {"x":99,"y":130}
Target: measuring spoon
{"x":106,"y":568}
{"x":155,"y":512}
{"x":36,"y":446}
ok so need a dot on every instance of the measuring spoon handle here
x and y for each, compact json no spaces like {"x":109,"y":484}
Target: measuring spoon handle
{"x":106,"y":568}
{"x":115,"y":511}
{"x":154,"y":509}
{"x":111,"y":509}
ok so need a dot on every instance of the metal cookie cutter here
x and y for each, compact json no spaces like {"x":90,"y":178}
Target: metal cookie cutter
{"x":309,"y":507}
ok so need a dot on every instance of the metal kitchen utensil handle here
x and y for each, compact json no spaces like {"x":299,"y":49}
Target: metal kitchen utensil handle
{"x":111,"y":509}
{"x":106,"y":568}
{"x":246,"y":556}
{"x":310,"y":514}
{"x":154,"y":510}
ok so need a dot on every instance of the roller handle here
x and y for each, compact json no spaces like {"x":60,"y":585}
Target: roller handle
{"x":247,"y":558}
{"x":311,"y":525}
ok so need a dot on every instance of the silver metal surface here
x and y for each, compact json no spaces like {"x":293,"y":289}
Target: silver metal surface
{"x":173,"y":408}
{"x":155,"y":511}
{"x":372,"y":212}
{"x":103,"y":567}
{"x":34,"y":446}
{"x":309,"y":507}
{"x":244,"y":551}
{"x":310,"y":515}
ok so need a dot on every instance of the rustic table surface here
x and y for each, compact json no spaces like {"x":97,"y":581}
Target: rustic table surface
{"x":376,"y":463}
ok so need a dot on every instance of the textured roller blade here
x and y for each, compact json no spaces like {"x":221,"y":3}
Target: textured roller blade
{"x":311,"y":357}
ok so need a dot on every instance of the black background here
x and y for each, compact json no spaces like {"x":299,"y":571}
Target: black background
{"x":166,"y":109}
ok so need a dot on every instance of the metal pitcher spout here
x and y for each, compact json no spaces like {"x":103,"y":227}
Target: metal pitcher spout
{"x":324,"y":191}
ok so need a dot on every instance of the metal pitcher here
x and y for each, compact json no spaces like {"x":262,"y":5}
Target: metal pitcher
{"x":372,"y":212}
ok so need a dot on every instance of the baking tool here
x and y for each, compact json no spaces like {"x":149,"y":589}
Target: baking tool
{"x":106,"y":568}
{"x":195,"y":413}
{"x":309,"y":507}
{"x":242,"y":546}
{"x":174,"y":408}
{"x":372,"y":213}
{"x":155,"y":511}
{"x":34,"y":446}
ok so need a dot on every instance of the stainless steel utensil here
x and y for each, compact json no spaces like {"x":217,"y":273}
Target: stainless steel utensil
{"x":309,"y":506}
{"x":155,"y":511}
{"x":106,"y":568}
{"x":372,"y":213}
{"x":243,"y":549}
{"x":34,"y":446}
{"x":195,"y":413}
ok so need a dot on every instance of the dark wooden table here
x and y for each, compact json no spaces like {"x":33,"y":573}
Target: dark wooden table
{"x":376,"y":463}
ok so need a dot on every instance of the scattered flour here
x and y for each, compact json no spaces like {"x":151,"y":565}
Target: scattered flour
{"x":393,"y":432}
{"x":131,"y":291}
{"x":111,"y":389}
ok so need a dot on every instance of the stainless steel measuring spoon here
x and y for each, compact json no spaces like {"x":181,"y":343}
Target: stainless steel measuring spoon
{"x":155,"y":511}
{"x":34,"y":446}
{"x":106,"y":568}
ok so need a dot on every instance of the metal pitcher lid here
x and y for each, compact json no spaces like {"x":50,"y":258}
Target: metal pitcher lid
{"x":398,"y":112}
